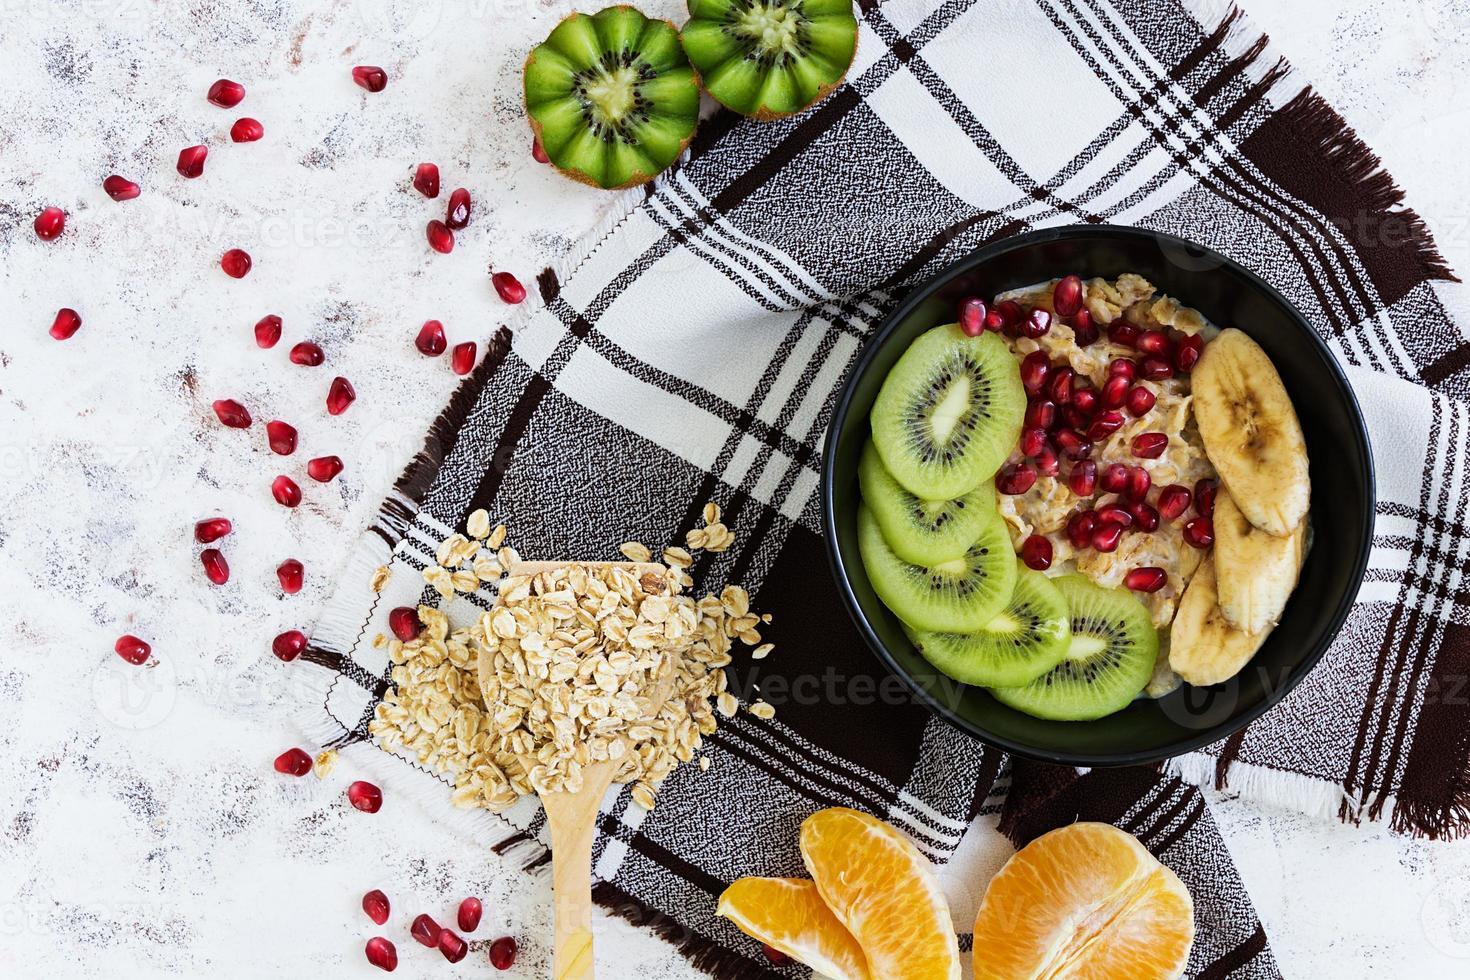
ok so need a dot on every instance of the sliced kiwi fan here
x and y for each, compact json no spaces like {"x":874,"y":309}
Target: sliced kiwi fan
{"x":925,"y":532}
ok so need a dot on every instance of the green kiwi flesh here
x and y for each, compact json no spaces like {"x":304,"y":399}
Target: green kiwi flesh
{"x":925,"y":532}
{"x":1025,"y":640}
{"x":1108,"y":662}
{"x":770,"y":58}
{"x":958,"y":596}
{"x":612,"y":97}
{"x":949,"y":413}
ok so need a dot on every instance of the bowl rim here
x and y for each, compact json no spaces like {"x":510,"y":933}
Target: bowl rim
{"x":925,"y":291}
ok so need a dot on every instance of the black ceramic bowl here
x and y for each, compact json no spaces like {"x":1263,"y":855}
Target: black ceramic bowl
{"x":1342,"y":493}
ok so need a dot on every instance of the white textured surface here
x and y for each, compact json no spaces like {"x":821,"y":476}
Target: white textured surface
{"x":152,"y":838}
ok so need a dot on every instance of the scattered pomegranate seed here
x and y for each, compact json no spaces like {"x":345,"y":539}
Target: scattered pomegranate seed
{"x":1145,"y":518}
{"x":1105,"y":425}
{"x":1059,"y":386}
{"x":1153,"y":342}
{"x":293,"y":762}
{"x":972,"y":316}
{"x":1187,"y":352}
{"x":211,"y":530}
{"x":1083,"y":478}
{"x":775,"y":956}
{"x":1204,"y":497}
{"x":1139,"y":483}
{"x":1199,"y":532}
{"x":1107,"y":536}
{"x":285,"y":490}
{"x":462,"y":360}
{"x":1114,"y":478}
{"x":1084,"y":331}
{"x":68,"y":321}
{"x":236,"y":263}
{"x":267,"y":331}
{"x":307,"y":354}
{"x":1173,"y":500}
{"x":323,"y":469}
{"x":1146,"y":579}
{"x":376,"y":905}
{"x":1140,"y":401}
{"x":289,"y":645}
{"x":1015,"y":478}
{"x":1036,"y":552}
{"x":246,"y":130}
{"x":1011,"y":313}
{"x":225,"y":93}
{"x":509,"y":287}
{"x":994,"y":322}
{"x":1122,"y":366}
{"x":1124,"y":333}
{"x":470,"y":911}
{"x":1073,"y":444}
{"x":1041,"y":414}
{"x":425,"y":930}
{"x":457,"y":215}
{"x":340,"y":396}
{"x":1047,"y":462}
{"x":1085,"y":400}
{"x":49,"y":223}
{"x":1035,"y":367}
{"x":538,"y":152}
{"x":290,"y":574}
{"x":382,"y":954}
{"x":1149,"y":445}
{"x":441,"y":239}
{"x":503,"y":953}
{"x":370,"y":77}
{"x":132,"y":649}
{"x":120,"y":188}
{"x":1115,"y":514}
{"x":1033,"y":440}
{"x":1066,"y":296}
{"x":365,"y":797}
{"x":404,"y":622}
{"x":430,"y":341}
{"x":1037,"y":324}
{"x":1115,"y":391}
{"x":426,"y":180}
{"x":191,"y":160}
{"x":232,"y":413}
{"x":282,"y":437}
{"x":1080,"y":527}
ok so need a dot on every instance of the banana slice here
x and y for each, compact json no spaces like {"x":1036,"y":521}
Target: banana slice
{"x":1203,"y":647}
{"x":1255,"y":572}
{"x":1251,"y":432}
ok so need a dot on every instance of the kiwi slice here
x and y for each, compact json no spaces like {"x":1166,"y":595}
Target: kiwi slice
{"x":1110,"y":659}
{"x":770,"y":58}
{"x":949,"y":413}
{"x":1025,"y":640}
{"x":958,"y":596}
{"x":925,"y":532}
{"x":612,"y":97}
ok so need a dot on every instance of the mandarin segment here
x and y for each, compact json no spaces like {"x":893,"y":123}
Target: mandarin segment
{"x":788,"y":915}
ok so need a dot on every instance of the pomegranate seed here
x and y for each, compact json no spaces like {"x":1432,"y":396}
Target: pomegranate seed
{"x":994,"y":322}
{"x":1036,"y":552}
{"x":1187,"y":352}
{"x":293,"y":762}
{"x":430,"y":341}
{"x":503,"y":953}
{"x":1011,"y":314}
{"x":1106,"y":537}
{"x":323,"y":469}
{"x":215,"y":566}
{"x":1080,"y":527}
{"x":1139,"y":483}
{"x":370,"y":77}
{"x":49,"y":223}
{"x":457,"y":215}
{"x":1076,"y":418}
{"x":1150,"y":445}
{"x":1146,"y":579}
{"x":307,"y":354}
{"x":425,"y":930}
{"x":191,"y":160}
{"x":132,"y":649}
{"x":1115,"y":478}
{"x":1145,"y":518}
{"x":225,"y":93}
{"x":462,"y":360}
{"x":538,"y":152}
{"x":452,"y":946}
{"x":285,"y":490}
{"x":1122,"y":366}
{"x":267,"y":331}
{"x":441,"y":239}
{"x":282,"y":437}
{"x":1085,"y":400}
{"x":376,"y":905}
{"x":1084,"y":331}
{"x":246,"y":130}
{"x":426,"y":180}
{"x":1041,"y":414}
{"x":290,"y":574}
{"x":1115,"y":514}
{"x":232,"y":413}
{"x":470,"y":911}
{"x":1115,"y":391}
{"x":120,"y":188}
{"x":1037,"y":324}
{"x":1199,"y":532}
{"x":509,"y":287}
{"x":972,"y":316}
{"x":1033,"y":440}
{"x":1155,"y":368}
{"x":1124,"y":333}
{"x":775,"y":956}
{"x":365,"y":796}
{"x":67,"y":322}
{"x":1140,"y":401}
{"x":211,"y":530}
{"x":1015,"y":478}
{"x":289,"y":645}
{"x":1073,"y":444}
{"x":1047,"y":462}
{"x":1153,"y":342}
{"x":1204,"y":497}
{"x":1105,"y":425}
{"x":404,"y":622}
{"x":236,"y":263}
{"x":340,"y":396}
{"x":382,"y":954}
{"x":1066,"y":296}
{"x":1083,"y":478}
{"x":1173,"y":500}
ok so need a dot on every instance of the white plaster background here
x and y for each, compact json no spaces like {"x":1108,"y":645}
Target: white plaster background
{"x":160,"y":842}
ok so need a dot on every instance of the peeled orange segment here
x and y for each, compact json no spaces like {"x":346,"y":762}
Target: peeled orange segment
{"x":883,"y":890}
{"x":788,"y":915}
{"x":1086,"y":901}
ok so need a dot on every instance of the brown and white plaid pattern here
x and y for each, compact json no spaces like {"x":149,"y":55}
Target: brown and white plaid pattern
{"x":692,"y":349}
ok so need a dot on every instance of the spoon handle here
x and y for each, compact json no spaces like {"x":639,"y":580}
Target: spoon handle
{"x":571,"y":819}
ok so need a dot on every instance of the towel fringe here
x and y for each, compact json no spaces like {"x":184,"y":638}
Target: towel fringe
{"x":703,"y":953}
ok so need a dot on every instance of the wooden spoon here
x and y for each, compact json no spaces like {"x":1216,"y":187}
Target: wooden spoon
{"x":572,"y":817}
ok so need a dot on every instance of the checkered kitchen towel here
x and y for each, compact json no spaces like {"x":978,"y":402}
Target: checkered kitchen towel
{"x":691,"y":350}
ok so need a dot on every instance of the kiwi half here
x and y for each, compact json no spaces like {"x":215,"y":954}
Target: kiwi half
{"x":949,"y":413}
{"x":770,"y":58}
{"x":925,"y":532}
{"x":1108,"y":662}
{"x":1025,"y":640}
{"x":612,"y":97}
{"x":958,"y":596}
